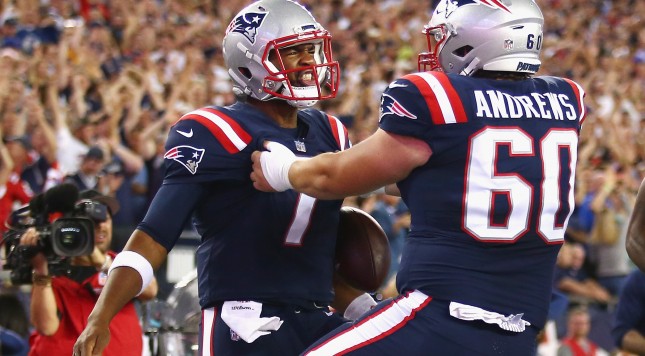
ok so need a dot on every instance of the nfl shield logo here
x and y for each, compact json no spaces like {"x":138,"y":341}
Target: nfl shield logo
{"x":300,"y":146}
{"x":508,"y":44}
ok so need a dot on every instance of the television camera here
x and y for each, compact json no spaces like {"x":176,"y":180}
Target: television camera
{"x":64,"y":224}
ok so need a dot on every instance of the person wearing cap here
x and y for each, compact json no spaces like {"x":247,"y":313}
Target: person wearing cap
{"x":60,"y":305}
{"x":9,"y":31}
{"x":89,"y":170}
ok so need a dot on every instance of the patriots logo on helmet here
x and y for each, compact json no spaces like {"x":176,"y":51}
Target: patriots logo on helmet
{"x":188,"y":156}
{"x":248,"y":24}
{"x":446,"y":7}
{"x":389,"y":105}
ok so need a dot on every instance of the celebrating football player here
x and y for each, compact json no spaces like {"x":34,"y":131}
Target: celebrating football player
{"x":266,"y":260}
{"x":484,"y":154}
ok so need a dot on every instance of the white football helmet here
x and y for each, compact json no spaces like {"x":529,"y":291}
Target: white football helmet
{"x":263,"y":28}
{"x":465,"y":36}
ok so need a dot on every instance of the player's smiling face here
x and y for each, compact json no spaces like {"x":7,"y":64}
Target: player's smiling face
{"x":302,"y":55}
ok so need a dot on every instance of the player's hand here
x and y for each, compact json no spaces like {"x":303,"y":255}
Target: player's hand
{"x":92,"y":341}
{"x":271,"y":168}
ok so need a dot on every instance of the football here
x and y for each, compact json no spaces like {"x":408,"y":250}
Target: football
{"x":362,"y":250}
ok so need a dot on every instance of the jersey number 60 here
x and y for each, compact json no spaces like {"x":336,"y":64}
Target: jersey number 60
{"x":484,"y":183}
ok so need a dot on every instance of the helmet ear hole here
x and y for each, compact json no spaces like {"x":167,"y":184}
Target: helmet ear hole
{"x":245,"y":72}
{"x":462,"y":51}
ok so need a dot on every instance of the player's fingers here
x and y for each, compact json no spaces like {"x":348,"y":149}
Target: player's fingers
{"x":255,"y":158}
{"x":257,"y":165}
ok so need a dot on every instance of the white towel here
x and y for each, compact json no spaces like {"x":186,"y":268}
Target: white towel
{"x":512,"y":322}
{"x":243,"y":317}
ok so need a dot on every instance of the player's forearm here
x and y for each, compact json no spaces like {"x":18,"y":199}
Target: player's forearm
{"x":124,"y":283}
{"x":636,"y":232}
{"x":380,"y":160}
{"x":324,"y":177}
{"x":634,"y":342}
{"x":122,"y":286}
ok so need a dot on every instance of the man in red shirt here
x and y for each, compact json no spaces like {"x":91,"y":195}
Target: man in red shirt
{"x":577,"y":342}
{"x":60,"y":305}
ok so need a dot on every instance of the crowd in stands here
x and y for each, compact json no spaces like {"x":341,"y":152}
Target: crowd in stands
{"x":89,"y":88}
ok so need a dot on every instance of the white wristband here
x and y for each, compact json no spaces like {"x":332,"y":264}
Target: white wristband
{"x":359,"y":306}
{"x":276,"y":162}
{"x":138,"y":263}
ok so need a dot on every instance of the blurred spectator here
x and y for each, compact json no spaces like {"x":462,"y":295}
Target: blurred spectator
{"x":19,"y":148}
{"x":570,"y":279}
{"x":14,"y":327}
{"x":392,"y":214}
{"x":9,"y":30}
{"x":43,"y":172}
{"x":612,"y":206}
{"x":87,"y":177}
{"x":13,"y":191}
{"x":577,"y":343}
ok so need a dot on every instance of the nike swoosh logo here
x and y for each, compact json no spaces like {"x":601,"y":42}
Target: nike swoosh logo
{"x":395,"y":85}
{"x":188,"y":134}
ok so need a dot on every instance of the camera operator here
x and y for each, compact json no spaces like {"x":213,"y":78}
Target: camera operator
{"x":60,"y":305}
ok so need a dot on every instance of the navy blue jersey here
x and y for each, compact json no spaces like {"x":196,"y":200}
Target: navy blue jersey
{"x":490,"y":206}
{"x":254,"y":245}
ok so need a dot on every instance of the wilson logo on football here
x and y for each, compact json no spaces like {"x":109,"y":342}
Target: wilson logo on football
{"x":188,"y":156}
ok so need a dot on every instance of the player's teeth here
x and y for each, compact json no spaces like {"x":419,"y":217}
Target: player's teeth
{"x":307,"y":76}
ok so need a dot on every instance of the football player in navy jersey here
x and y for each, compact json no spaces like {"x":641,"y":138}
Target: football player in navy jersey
{"x":265,"y":261}
{"x":484,"y":155}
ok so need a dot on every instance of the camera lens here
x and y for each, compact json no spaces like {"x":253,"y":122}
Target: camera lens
{"x":70,"y":238}
{"x":73,"y":236}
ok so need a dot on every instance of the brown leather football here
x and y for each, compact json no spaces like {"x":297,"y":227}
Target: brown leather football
{"x":362,"y":250}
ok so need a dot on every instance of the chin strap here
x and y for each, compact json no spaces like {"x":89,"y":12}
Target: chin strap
{"x":301,"y":92}
{"x":470,"y":68}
